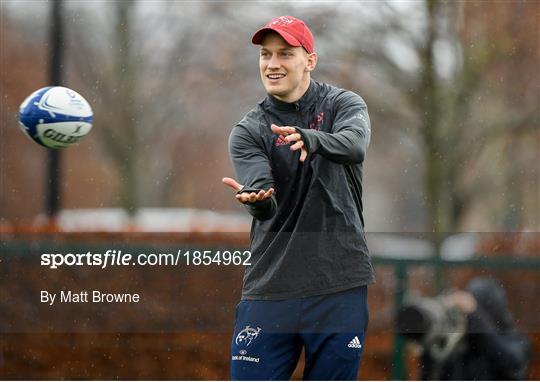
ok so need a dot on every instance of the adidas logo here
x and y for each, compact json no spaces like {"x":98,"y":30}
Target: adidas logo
{"x":355,"y":343}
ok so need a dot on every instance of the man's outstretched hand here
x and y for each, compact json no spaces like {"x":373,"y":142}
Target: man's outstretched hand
{"x":290,"y":135}
{"x":247,"y":197}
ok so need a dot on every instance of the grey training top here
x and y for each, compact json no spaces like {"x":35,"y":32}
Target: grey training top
{"x":308,"y":239}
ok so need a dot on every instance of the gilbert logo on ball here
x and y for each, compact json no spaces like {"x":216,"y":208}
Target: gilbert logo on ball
{"x":55,"y":117}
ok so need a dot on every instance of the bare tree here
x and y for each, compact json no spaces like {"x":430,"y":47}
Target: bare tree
{"x":109,"y":70}
{"x":443,"y":73}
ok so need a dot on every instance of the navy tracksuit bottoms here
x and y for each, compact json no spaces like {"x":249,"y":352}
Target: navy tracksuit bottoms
{"x":269,"y":336}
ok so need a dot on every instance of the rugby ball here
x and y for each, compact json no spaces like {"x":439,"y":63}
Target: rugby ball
{"x":55,"y":117}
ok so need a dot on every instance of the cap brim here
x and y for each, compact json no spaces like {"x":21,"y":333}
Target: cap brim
{"x":259,"y":36}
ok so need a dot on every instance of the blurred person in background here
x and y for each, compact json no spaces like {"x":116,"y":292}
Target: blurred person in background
{"x":298,"y":157}
{"x":492,"y":348}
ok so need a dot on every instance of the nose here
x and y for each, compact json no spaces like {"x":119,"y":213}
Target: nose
{"x":274,"y":62}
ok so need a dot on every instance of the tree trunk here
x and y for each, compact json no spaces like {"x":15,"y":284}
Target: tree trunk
{"x":125,"y":75}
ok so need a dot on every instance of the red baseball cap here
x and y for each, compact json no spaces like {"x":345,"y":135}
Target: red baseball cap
{"x":293,"y":30}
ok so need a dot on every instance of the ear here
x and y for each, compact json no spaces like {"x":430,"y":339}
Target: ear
{"x":311,"y":61}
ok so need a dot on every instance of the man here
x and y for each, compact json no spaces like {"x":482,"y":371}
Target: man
{"x":492,"y":347}
{"x":298,"y":159}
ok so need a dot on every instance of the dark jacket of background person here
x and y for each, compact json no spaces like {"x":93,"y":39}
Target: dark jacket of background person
{"x":492,"y":349}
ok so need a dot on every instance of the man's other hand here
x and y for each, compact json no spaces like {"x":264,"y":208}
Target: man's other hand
{"x":247,"y":197}
{"x":289,"y":134}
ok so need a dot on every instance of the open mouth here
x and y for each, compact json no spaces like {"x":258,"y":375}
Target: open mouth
{"x":275,"y":76}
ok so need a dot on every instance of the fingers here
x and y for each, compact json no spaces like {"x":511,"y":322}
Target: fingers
{"x":303,"y":154}
{"x":232,"y":183}
{"x":282,"y":130}
{"x":253,"y":197}
{"x":293,"y":138}
{"x":243,"y":197}
{"x":291,"y":135}
{"x":297,"y":145}
{"x":247,"y":197}
{"x":268,"y":193}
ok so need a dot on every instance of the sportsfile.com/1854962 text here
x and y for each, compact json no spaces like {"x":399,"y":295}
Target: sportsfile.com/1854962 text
{"x":113,"y":257}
